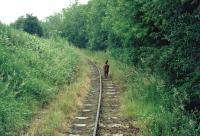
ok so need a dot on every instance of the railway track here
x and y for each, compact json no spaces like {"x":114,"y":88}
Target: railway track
{"x":99,"y":115}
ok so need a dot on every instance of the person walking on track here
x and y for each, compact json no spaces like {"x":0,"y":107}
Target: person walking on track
{"x":106,"y":69}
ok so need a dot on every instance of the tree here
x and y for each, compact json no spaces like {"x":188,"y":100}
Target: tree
{"x":29,"y":24}
{"x":53,"y":25}
{"x":32,"y":25}
{"x":19,"y":23}
{"x":74,"y":25}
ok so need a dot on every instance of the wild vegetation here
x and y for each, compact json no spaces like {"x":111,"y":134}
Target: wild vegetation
{"x":32,"y":72}
{"x":160,"y":38}
{"x":56,"y":118}
{"x":146,"y":101}
{"x":29,"y":24}
{"x":155,"y":43}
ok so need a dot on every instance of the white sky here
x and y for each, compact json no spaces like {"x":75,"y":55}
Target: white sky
{"x":10,"y":10}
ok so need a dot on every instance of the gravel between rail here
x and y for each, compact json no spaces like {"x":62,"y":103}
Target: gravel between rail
{"x":110,"y":123}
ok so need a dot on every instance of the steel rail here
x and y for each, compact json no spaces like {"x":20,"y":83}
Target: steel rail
{"x":99,"y":103}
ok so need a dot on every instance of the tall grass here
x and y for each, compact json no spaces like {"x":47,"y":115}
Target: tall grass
{"x":32,"y":71}
{"x":56,"y":118}
{"x":147,"y":102}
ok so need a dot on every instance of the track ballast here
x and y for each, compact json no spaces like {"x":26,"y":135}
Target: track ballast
{"x":99,"y":115}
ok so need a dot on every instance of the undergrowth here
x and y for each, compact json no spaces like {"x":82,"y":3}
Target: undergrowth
{"x":32,"y":70}
{"x":55,"y":120}
{"x":147,"y":101}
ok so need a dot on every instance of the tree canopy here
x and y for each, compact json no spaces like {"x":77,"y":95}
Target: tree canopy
{"x":29,"y":24}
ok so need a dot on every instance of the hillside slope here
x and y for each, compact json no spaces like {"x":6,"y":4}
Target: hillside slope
{"x":32,"y":71}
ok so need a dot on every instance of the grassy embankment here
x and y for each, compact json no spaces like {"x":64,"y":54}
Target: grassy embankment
{"x":37,"y":80}
{"x":144,"y":99}
{"x":56,"y":118}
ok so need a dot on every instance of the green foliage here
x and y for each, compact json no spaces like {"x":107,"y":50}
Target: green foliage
{"x":29,"y":24}
{"x":148,"y":102}
{"x":53,"y":25}
{"x":70,"y":24}
{"x":75,"y":26}
{"x":159,"y":36}
{"x":31,"y":72}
